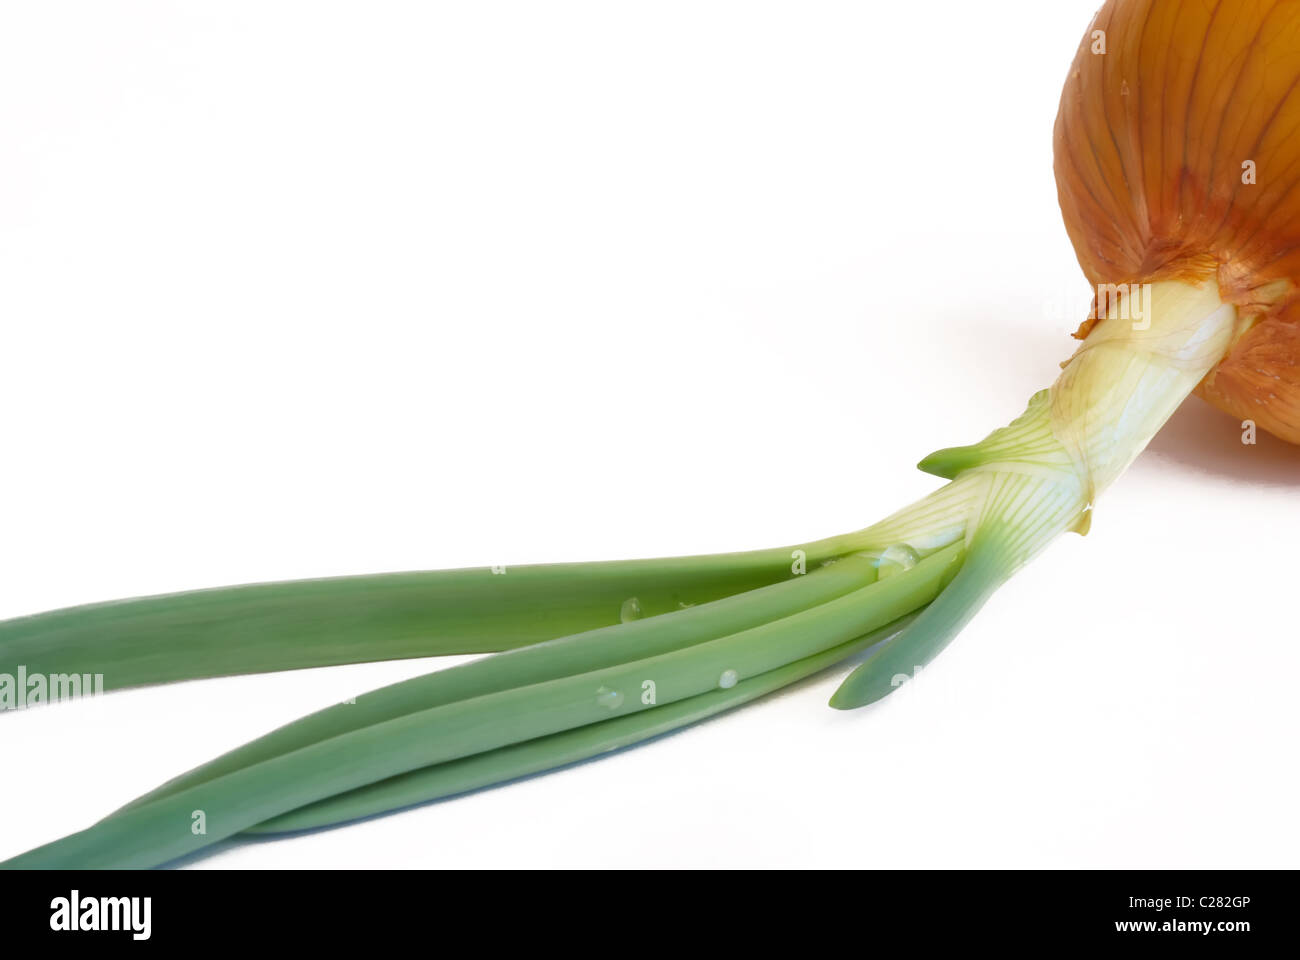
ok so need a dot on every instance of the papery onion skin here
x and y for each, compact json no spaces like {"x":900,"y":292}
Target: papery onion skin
{"x":1151,"y":143}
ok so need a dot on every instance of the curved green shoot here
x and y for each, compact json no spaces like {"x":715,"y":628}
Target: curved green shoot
{"x":583,"y":689}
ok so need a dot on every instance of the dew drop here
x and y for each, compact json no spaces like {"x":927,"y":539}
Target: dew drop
{"x":897,"y":559}
{"x":631,"y":610}
{"x":609,"y":699}
{"x":728,"y":679}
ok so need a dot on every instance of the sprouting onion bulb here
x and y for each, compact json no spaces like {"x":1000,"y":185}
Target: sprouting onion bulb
{"x":1178,"y":168}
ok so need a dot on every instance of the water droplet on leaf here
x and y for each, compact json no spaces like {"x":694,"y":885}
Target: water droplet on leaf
{"x":631,"y":610}
{"x":895,"y":560}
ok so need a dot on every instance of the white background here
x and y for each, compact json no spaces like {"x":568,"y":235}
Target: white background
{"x":303,"y":289}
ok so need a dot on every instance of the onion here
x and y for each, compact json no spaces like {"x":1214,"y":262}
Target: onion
{"x":1178,"y":170}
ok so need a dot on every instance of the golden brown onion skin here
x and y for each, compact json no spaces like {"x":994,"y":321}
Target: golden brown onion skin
{"x":1150,"y":144}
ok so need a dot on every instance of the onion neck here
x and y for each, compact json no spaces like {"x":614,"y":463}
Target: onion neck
{"x":1024,"y":485}
{"x":1132,"y":373}
{"x":1077,"y":437}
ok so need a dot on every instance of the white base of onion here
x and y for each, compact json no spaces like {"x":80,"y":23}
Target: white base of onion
{"x":1023,"y":486}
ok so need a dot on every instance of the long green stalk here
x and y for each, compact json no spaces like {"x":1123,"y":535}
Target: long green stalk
{"x":161,"y":830}
{"x":310,"y":623}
